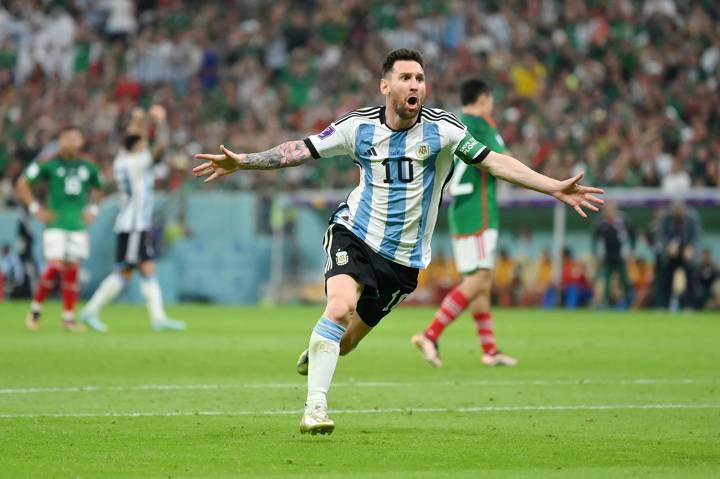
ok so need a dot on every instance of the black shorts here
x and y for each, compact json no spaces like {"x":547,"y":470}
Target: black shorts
{"x":133,"y":248}
{"x":387,"y":283}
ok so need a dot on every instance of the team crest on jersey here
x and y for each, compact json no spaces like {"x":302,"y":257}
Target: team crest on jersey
{"x":83,"y":173}
{"x":342,"y":258}
{"x":326,"y":132}
{"x":423,"y":151}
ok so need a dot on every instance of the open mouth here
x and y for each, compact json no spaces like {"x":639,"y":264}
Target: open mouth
{"x":412,"y":101}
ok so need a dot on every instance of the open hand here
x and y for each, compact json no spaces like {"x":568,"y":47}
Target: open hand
{"x":578,"y":196}
{"x":218,"y":165}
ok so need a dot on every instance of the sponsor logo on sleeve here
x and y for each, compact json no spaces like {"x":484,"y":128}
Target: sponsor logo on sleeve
{"x":326,"y":132}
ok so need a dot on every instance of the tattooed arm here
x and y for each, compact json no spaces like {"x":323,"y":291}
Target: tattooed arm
{"x":290,"y":153}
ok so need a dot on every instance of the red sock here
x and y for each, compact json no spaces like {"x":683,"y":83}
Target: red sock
{"x":451,"y":307}
{"x":69,"y":289}
{"x":46,"y":283}
{"x":484,"y":325}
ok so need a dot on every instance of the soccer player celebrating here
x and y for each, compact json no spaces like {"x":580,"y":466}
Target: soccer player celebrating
{"x":134,"y":175}
{"x":380,"y":237}
{"x":474,"y":226}
{"x":65,"y":240}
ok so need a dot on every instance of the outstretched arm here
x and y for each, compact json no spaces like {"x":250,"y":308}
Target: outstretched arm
{"x":290,"y":153}
{"x":568,"y":191}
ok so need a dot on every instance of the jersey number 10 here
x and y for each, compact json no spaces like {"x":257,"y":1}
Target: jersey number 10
{"x":404,"y":170}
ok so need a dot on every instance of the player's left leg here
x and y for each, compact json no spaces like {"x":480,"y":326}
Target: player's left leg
{"x":355,"y":332}
{"x":343,"y":292}
{"x":70,"y":288}
{"x":482,"y":317}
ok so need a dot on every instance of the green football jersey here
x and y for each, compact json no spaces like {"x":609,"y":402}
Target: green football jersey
{"x":69,"y":182}
{"x":474,"y":207}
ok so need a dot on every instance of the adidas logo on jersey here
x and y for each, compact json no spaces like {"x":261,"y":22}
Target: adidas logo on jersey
{"x":370,"y":152}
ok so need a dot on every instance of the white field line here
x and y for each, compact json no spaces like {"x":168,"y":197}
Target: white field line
{"x":428,"y":410}
{"x":174,"y":387}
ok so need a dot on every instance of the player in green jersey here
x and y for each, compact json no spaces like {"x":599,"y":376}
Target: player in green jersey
{"x":474,"y":235}
{"x":69,"y":180}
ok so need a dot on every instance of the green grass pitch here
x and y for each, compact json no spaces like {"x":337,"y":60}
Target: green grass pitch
{"x":596,"y":394}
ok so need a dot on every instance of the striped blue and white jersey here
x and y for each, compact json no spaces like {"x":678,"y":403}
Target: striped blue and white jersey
{"x":403,"y":174}
{"x":135,"y":178}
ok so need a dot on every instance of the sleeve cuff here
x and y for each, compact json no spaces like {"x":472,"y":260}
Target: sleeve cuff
{"x":481,"y":156}
{"x":312,"y":149}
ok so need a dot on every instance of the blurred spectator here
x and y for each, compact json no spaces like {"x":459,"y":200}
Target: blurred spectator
{"x":708,"y":293}
{"x":641,"y":275}
{"x":679,"y":233}
{"x":11,"y":272}
{"x":613,"y":241}
{"x":537,"y":279}
{"x":576,"y":288}
{"x":504,"y":279}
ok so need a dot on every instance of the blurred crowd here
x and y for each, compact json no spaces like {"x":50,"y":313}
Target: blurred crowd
{"x":666,"y":265}
{"x":626,"y":90}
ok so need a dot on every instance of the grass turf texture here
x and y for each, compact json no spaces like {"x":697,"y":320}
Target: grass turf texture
{"x":222,"y":399}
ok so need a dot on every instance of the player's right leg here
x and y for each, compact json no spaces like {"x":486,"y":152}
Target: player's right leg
{"x":54,"y":252}
{"x":343,"y":292}
{"x":473,"y":254}
{"x":108,"y":290}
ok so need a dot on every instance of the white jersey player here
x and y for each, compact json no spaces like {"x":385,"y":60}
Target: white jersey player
{"x":379,"y":239}
{"x":135,"y":178}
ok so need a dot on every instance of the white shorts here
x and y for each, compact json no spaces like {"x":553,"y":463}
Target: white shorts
{"x":475,"y":251}
{"x":65,"y":245}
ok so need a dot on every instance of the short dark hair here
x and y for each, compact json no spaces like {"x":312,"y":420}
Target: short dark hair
{"x":471,"y":89}
{"x":401,"y":54}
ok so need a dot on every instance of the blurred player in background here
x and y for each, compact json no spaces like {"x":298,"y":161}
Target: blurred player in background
{"x":613,"y":242}
{"x":474,"y":225}
{"x":380,"y":238}
{"x":135,"y":178}
{"x":69,"y":180}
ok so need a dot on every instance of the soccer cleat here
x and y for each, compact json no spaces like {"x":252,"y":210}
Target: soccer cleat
{"x":315,"y":420}
{"x":168,"y":324}
{"x":303,"y":363}
{"x":32,"y":321}
{"x":498,"y":359}
{"x":428,"y":348}
{"x":72,"y":326}
{"x":93,"y":322}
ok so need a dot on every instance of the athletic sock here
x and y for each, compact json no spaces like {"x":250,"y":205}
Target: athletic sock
{"x":46,"y":284}
{"x":150,"y":289}
{"x":453,"y":304}
{"x":484,"y":325}
{"x":106,"y":292}
{"x":324,"y":350}
{"x":69,"y":289}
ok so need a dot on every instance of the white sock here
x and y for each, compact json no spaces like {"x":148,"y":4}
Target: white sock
{"x":324,"y":350}
{"x":106,"y":292}
{"x":150,"y":289}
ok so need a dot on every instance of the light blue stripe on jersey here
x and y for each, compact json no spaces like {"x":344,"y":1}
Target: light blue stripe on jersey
{"x":431,"y":136}
{"x":395,"y":220}
{"x":363,"y":143}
